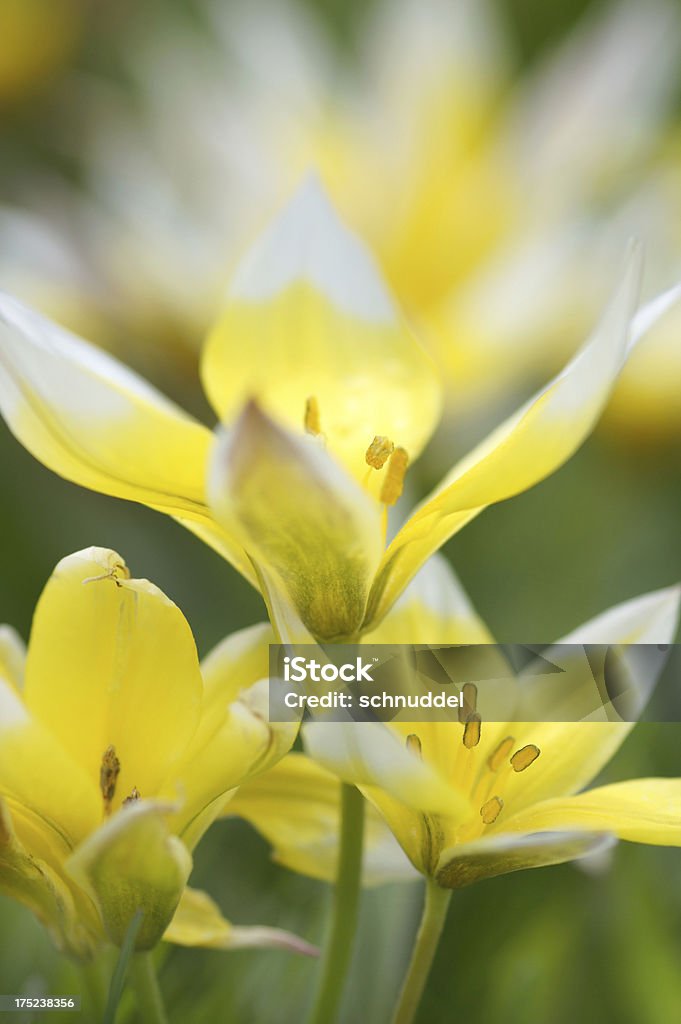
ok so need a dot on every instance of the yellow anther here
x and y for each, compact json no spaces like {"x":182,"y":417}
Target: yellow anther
{"x":394,"y":477}
{"x":414,"y":744}
{"x":498,"y":756}
{"x":491,"y":810}
{"x":470,"y":702}
{"x":312,"y":421}
{"x":378,"y":451}
{"x":524,"y":757}
{"x":134,"y":796}
{"x":471,"y":732}
{"x":108,"y":776}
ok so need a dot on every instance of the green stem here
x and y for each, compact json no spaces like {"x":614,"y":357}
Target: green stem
{"x":147,"y":991}
{"x":94,"y":983}
{"x":338,"y":948}
{"x":427,"y":939}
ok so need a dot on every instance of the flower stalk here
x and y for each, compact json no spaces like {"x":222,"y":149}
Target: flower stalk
{"x":147,"y":990}
{"x":430,"y":929}
{"x":345,"y":911}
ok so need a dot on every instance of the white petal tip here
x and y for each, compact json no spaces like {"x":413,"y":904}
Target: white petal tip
{"x":307,"y":242}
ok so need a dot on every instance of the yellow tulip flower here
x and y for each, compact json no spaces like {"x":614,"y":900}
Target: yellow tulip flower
{"x":116,"y":753}
{"x":511,"y":801}
{"x":513,"y":785}
{"x":330,"y":399}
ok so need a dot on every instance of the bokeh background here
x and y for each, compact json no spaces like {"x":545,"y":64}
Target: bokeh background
{"x":140,"y":147}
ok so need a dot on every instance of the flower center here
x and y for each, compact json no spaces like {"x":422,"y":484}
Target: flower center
{"x":484,"y":781}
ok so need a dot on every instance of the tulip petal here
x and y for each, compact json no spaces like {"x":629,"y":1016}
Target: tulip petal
{"x":434,"y":609}
{"x":572,"y":753}
{"x":12,"y":657}
{"x":199,"y":922}
{"x":243,"y":743}
{"x":302,"y":517}
{"x":308,"y":316}
{"x":296,"y":807}
{"x":26,"y":877}
{"x":530,"y":445}
{"x":117,"y":654}
{"x":498,"y":855}
{"x":236,"y":663}
{"x":132,"y":863}
{"x":38,"y":774}
{"x":96,"y":423}
{"x":639,"y":810}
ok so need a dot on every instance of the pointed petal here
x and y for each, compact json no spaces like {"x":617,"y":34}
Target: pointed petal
{"x":132,"y":863}
{"x":26,"y":877}
{"x":300,"y":516}
{"x":12,"y":657}
{"x":309,"y":316}
{"x":640,"y":810}
{"x":118,"y":655}
{"x":94,"y":422}
{"x":296,"y":807}
{"x":530,"y":445}
{"x":434,"y":609}
{"x":498,"y":855}
{"x":572,"y":753}
{"x":199,"y":922}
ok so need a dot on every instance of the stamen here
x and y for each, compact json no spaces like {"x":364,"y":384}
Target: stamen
{"x":134,"y":796}
{"x":498,"y":756}
{"x":471,"y":732}
{"x":470,"y":702}
{"x":378,"y":451}
{"x":414,"y":744}
{"x":394,"y":477}
{"x":312,"y":421}
{"x":491,"y":810}
{"x":524,"y":757}
{"x":108,"y":776}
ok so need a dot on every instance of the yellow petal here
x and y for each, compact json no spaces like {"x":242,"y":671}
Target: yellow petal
{"x":132,"y":863}
{"x":434,"y":609}
{"x":308,"y":316}
{"x":302,"y":517}
{"x":640,"y":810}
{"x":234,"y":664}
{"x":12,"y":657}
{"x":572,"y":753}
{"x":112,"y":662}
{"x":530,"y":445}
{"x":93,"y":421}
{"x":39,"y":775}
{"x":498,"y":855}
{"x":296,"y":807}
{"x":26,"y":877}
{"x":241,"y":744}
{"x":198,"y":921}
